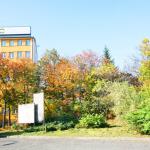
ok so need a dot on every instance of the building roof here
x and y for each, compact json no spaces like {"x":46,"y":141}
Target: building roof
{"x":15,"y":31}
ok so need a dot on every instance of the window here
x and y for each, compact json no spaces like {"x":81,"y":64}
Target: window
{"x":3,"y":43}
{"x":19,"y":54}
{"x":19,"y":42}
{"x":27,"y":54}
{"x":11,"y":55}
{"x":11,"y":43}
{"x":27,"y":42}
{"x":3,"y":55}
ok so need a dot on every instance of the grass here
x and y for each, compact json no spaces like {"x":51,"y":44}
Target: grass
{"x":116,"y":129}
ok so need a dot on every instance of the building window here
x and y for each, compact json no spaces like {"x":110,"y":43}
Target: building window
{"x":19,"y":54}
{"x":3,"y":43}
{"x":27,"y":54}
{"x":11,"y":43}
{"x":19,"y":42}
{"x":3,"y":55}
{"x":11,"y":55}
{"x":27,"y":42}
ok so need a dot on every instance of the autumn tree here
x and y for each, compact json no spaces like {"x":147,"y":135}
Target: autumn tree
{"x":86,"y":60}
{"x":59,"y":82}
{"x":27,"y":77}
{"x":47,"y":68}
{"x":5,"y":86}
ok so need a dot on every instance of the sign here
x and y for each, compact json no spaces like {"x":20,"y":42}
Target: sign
{"x":26,"y":113}
{"x":38,"y":100}
{"x":14,"y":30}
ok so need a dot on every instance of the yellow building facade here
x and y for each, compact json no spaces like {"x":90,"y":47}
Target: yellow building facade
{"x":17,"y":43}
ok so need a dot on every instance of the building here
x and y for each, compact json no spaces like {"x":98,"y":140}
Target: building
{"x":17,"y":43}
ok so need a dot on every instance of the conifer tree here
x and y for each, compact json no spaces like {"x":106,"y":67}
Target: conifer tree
{"x":107,"y":57}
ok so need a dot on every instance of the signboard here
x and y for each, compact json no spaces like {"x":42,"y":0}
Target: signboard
{"x":26,"y":113}
{"x":38,"y":100}
{"x":14,"y":30}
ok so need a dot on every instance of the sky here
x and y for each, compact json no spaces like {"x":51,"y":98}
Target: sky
{"x":73,"y":26}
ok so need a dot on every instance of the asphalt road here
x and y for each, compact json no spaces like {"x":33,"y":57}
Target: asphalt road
{"x":36,"y":143}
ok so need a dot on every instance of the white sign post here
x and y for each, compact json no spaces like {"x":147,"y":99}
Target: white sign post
{"x":38,"y":100}
{"x":26,"y":113}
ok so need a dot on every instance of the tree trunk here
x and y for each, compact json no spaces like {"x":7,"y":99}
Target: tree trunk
{"x":24,"y":93}
{"x":4,"y":115}
{"x":9,"y":116}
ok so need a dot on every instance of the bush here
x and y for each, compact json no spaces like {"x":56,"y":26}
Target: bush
{"x":140,"y":120}
{"x":92,"y":121}
{"x":51,"y":126}
{"x":35,"y":128}
{"x":59,"y":125}
{"x":16,"y":126}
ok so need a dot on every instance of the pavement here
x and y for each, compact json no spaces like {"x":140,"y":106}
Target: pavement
{"x":74,"y":143}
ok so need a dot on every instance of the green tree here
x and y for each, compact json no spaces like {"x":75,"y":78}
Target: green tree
{"x":124,"y":97}
{"x":107,"y":57}
{"x":145,"y":70}
{"x":51,"y":57}
{"x":140,"y":119}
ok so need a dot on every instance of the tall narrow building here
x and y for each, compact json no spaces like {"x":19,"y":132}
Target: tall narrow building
{"x":17,"y":43}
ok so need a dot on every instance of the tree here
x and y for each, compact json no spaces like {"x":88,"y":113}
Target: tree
{"x":59,"y":78}
{"x":5,"y":85}
{"x":124,"y":97}
{"x":107,"y":57}
{"x":145,"y":70}
{"x":17,"y":83}
{"x":26,"y":76}
{"x":140,"y":119}
{"x":47,"y":70}
{"x":51,"y":57}
{"x":86,"y":60}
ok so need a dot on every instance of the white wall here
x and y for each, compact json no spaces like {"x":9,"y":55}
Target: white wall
{"x":26,"y":113}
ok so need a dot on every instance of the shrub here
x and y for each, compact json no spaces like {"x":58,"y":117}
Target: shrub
{"x":140,"y":120}
{"x":35,"y":128}
{"x":16,"y":126}
{"x":92,"y":121}
{"x":51,"y":126}
{"x":59,"y":125}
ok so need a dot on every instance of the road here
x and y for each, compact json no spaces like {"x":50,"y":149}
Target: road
{"x":42,"y":143}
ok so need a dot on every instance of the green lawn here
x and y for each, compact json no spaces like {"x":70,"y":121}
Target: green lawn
{"x":116,"y":129}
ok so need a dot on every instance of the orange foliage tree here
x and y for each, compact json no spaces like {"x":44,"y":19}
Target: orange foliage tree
{"x":17,"y":83}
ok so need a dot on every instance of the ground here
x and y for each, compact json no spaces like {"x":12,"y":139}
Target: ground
{"x":49,"y":143}
{"x":116,"y":129}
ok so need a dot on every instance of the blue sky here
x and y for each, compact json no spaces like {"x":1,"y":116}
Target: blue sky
{"x":71,"y":26}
